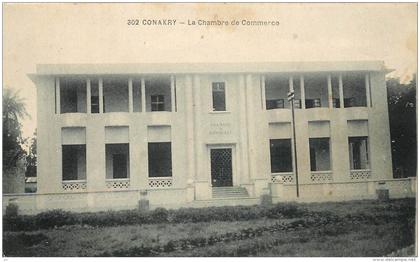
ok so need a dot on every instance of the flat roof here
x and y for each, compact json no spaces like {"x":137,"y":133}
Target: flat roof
{"x":208,"y":68}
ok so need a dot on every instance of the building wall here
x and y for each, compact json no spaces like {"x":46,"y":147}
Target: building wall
{"x":195,"y":129}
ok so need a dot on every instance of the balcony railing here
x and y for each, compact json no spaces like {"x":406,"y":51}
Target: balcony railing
{"x":283,"y":178}
{"x":321,"y":176}
{"x":360,"y":174}
{"x":74,"y":185}
{"x":160,"y":182}
{"x":117,"y":183}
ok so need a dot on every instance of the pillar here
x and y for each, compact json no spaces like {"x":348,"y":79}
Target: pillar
{"x":173,"y":102}
{"x":57,"y":96}
{"x":130,"y":95}
{"x":330,"y":94}
{"x":101,"y":95}
{"x":143,"y":95}
{"x":302,"y":92}
{"x":340,"y":88}
{"x":88,"y":96}
{"x":367,"y":87}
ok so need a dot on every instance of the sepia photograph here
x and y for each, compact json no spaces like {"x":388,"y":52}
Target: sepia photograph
{"x":209,"y":130}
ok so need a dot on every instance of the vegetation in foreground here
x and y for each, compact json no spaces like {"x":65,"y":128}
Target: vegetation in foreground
{"x":355,"y":228}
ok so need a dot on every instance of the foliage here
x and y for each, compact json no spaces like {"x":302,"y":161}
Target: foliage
{"x":58,"y":218}
{"x":403,"y":127}
{"x":31,"y":158}
{"x":372,"y":229}
{"x":13,"y":111}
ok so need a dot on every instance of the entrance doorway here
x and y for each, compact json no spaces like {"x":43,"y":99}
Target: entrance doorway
{"x":221,"y":167}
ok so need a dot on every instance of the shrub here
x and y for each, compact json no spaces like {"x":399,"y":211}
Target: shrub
{"x":54,"y":218}
{"x":12,"y":210}
{"x":285,"y":211}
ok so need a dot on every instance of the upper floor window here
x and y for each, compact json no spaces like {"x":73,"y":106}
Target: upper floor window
{"x":354,"y":90}
{"x":72,"y":95}
{"x":115,"y":95}
{"x":94,"y":96}
{"x":316,"y":91}
{"x":158,"y":93}
{"x":219,"y":96}
{"x":158,"y":102}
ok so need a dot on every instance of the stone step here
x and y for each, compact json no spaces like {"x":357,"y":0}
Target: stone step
{"x":229,"y":192}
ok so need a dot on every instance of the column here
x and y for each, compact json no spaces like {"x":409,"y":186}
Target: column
{"x":367,"y":87}
{"x":302,"y":92}
{"x":130,"y":95}
{"x":88,"y":96}
{"x":57,"y":95}
{"x":173,"y":102}
{"x":340,"y":87}
{"x":243,"y":133}
{"x":143,"y":96}
{"x":197,"y":125}
{"x":263,"y":92}
{"x":189,"y":108}
{"x":250,"y":123}
{"x":101,"y":95}
{"x":330,"y":94}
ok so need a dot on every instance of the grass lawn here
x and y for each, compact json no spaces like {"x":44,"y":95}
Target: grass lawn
{"x":355,"y":228}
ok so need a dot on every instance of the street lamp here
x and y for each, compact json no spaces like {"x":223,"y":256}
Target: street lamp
{"x":291,"y":98}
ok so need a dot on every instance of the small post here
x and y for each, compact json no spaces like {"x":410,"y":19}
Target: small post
{"x":291,"y":97}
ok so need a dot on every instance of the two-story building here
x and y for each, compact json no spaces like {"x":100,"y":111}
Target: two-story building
{"x":211,"y":134}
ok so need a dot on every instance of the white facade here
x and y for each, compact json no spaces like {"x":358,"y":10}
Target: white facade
{"x":207,"y":114}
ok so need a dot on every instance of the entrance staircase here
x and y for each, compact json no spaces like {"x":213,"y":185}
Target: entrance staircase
{"x":229,"y":192}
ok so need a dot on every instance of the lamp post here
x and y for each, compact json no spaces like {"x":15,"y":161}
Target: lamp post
{"x":291,"y":98}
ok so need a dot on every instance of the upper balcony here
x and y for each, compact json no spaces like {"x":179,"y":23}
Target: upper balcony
{"x":114,"y":98}
{"x":317,"y":94}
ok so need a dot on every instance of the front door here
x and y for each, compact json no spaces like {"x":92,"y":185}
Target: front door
{"x":221,"y":167}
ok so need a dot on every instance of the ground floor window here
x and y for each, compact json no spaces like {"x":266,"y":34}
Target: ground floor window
{"x":117,"y":161}
{"x":359,"y":152}
{"x":73,"y":162}
{"x":160,"y":159}
{"x":281,"y":155}
{"x":320,"y":154}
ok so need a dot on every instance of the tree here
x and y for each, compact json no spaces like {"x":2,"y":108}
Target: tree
{"x":403,"y":126}
{"x":31,"y":158}
{"x":13,"y":111}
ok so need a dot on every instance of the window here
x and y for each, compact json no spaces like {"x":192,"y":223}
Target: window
{"x":158,"y":93}
{"x":115,"y":95}
{"x":117,"y":160}
{"x":316,"y":90}
{"x":274,"y":103}
{"x":281,"y":155}
{"x":73,"y":162}
{"x":335,"y":88}
{"x":137,"y":95}
{"x":160,"y":159}
{"x":354,"y":90}
{"x":94,"y":97}
{"x":276,"y":89}
{"x":320,"y":154}
{"x":359,"y":152}
{"x":219,"y":96}
{"x":311,"y":103}
{"x":72,"y":95}
{"x":158,"y":103}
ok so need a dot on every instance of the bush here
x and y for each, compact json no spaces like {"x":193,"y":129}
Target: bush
{"x":286,"y":211}
{"x":12,"y":210}
{"x":58,"y":218}
{"x":54,"y":218}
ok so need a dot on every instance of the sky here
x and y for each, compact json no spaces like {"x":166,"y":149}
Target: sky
{"x":98,"y":33}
